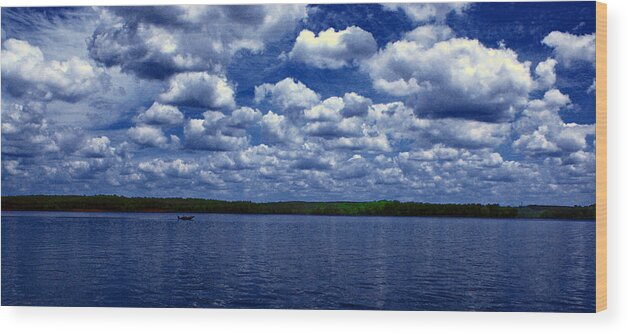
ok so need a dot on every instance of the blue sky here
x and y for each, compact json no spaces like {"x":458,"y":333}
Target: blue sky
{"x":456,"y":102}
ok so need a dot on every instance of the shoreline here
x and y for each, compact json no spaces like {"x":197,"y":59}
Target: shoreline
{"x":381,"y":208}
{"x":296,"y":214}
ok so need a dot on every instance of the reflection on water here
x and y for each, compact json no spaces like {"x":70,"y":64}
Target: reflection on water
{"x":261,"y":261}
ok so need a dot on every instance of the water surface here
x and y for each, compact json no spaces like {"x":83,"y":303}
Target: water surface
{"x":304,"y":262}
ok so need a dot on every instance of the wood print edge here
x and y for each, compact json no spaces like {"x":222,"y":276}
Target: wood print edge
{"x":600,"y":159}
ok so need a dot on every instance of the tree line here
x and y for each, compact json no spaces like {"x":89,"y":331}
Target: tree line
{"x":373,"y":208}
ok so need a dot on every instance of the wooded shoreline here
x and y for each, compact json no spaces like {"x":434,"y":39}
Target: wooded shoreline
{"x":113,"y":203}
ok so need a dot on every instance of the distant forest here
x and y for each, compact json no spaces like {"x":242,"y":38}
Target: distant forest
{"x":375,"y":208}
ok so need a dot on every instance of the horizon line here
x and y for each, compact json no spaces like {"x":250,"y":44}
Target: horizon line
{"x":304,"y":201}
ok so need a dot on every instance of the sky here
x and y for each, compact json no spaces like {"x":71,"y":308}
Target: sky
{"x":441,"y":103}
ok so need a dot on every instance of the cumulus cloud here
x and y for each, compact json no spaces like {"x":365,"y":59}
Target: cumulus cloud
{"x":573,"y":136}
{"x":355,"y":105}
{"x":400,"y":123}
{"x":438,"y":152}
{"x":244,"y":117}
{"x":25,"y":130}
{"x":313,"y":163}
{"x":578,"y":164}
{"x":333,"y":49}
{"x":328,"y":110}
{"x":543,"y":132}
{"x":428,"y":35}
{"x":12,"y":167}
{"x":337,"y":116}
{"x":536,"y":142}
{"x":353,"y":168}
{"x":97,"y":147}
{"x":220,"y":132}
{"x":427,"y":12}
{"x":150,"y":136}
{"x":455,"y":78}
{"x":257,"y":156}
{"x":347,"y":127}
{"x":26,"y":73}
{"x":465,"y":133}
{"x":451,"y":170}
{"x":212,"y":179}
{"x":278,"y":129}
{"x":289,"y":95}
{"x":83,"y":169}
{"x":199,"y":89}
{"x":374,"y":143}
{"x":570,"y":49}
{"x":172,"y":168}
{"x":546,"y":73}
{"x":160,"y":114}
{"x":157,"y":42}
{"x":336,"y":108}
{"x":542,"y":111}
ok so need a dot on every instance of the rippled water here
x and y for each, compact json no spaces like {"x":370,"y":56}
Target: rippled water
{"x":261,"y":261}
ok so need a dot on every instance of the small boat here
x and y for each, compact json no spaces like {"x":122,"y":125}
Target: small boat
{"x":185,"y":217}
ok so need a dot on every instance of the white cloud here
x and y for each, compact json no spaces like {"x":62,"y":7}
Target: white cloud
{"x":536,"y":142}
{"x":335,"y":108}
{"x":157,"y":42}
{"x":546,"y":73}
{"x":377,"y":142}
{"x":573,"y":137}
{"x":543,"y":132}
{"x":347,"y":127}
{"x":148,"y":135}
{"x":355,"y":105}
{"x":328,"y":110}
{"x":333,"y":49}
{"x":243,"y":117}
{"x":199,"y":89}
{"x":25,"y":130}
{"x":454,"y":78}
{"x":334,"y":118}
{"x":12,"y":167}
{"x":438,"y":152}
{"x":313,"y":162}
{"x":389,"y":176}
{"x":400,"y":123}
{"x":212,"y":179}
{"x":288,"y":95}
{"x":255,"y":156}
{"x":579,"y":163}
{"x":26,"y":73}
{"x":571,"y":48}
{"x":353,"y":168}
{"x":426,"y":12}
{"x":217,"y":132}
{"x":173,"y":168}
{"x":428,"y":35}
{"x":542,"y":111}
{"x":465,"y":133}
{"x":278,"y":129}
{"x":97,"y":147}
{"x":84,"y":169}
{"x":160,"y":114}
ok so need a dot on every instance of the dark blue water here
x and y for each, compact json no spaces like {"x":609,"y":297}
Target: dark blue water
{"x":258,"y":261}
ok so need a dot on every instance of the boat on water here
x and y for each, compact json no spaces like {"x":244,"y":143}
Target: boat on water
{"x":185,"y":217}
